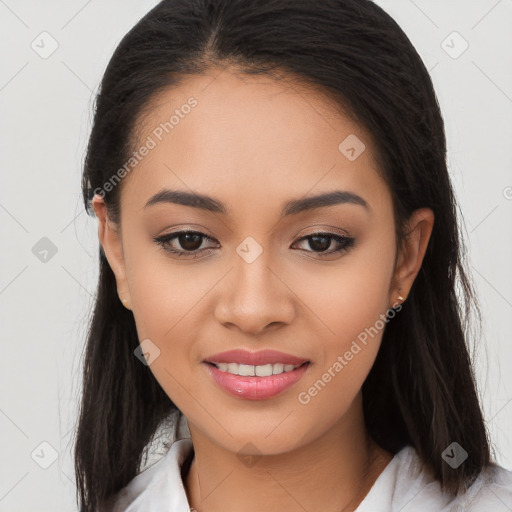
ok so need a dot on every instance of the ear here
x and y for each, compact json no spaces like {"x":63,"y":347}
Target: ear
{"x":110,"y":239}
{"x":418,"y":230}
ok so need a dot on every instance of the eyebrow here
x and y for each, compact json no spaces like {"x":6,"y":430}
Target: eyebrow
{"x":292,"y":207}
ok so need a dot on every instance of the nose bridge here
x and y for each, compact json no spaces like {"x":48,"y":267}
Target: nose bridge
{"x":253,"y":270}
{"x":255,"y":296}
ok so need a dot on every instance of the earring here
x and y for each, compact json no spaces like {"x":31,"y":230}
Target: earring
{"x":124,"y":301}
{"x":400,"y":299}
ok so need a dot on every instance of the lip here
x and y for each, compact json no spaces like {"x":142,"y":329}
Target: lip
{"x":255,"y":388}
{"x":261,"y":357}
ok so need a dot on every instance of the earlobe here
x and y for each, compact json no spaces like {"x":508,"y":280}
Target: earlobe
{"x":110,"y":240}
{"x":418,"y":233}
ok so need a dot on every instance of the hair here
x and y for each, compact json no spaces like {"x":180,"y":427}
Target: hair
{"x":421,"y":390}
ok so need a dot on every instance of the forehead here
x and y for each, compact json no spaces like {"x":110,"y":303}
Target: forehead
{"x":249,"y":137}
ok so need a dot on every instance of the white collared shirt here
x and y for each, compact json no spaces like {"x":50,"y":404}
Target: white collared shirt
{"x":401,"y":486}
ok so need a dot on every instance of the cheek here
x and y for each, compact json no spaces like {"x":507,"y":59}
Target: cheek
{"x":351,"y":298}
{"x":347,"y":358}
{"x":156,"y":309}
{"x":162,"y":292}
{"x":353,"y":313}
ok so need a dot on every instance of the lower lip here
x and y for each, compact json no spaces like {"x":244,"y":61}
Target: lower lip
{"x":255,"y":388}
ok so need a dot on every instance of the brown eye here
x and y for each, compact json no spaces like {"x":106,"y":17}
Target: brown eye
{"x":321,"y":242}
{"x":189,"y":243}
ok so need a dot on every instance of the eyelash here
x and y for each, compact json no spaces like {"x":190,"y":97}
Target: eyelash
{"x":345,"y":242}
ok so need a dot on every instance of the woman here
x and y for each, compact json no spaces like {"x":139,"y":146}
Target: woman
{"x":278,"y":263}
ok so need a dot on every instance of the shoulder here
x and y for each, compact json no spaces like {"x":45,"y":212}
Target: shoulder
{"x":491,"y":491}
{"x":158,"y":486}
{"x":406,"y":485}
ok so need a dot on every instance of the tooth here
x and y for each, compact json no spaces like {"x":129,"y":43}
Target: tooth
{"x":264,"y":370}
{"x":233,"y":368}
{"x":277,"y":368}
{"x":245,"y":369}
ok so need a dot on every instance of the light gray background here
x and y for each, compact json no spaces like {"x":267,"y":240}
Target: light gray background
{"x":46,"y":107}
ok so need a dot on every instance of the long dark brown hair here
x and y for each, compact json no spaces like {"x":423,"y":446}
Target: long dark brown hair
{"x":421,"y":390}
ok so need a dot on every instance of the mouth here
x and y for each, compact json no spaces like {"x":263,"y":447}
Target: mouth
{"x":255,"y":382}
{"x":261,"y":370}
{"x":255,"y":375}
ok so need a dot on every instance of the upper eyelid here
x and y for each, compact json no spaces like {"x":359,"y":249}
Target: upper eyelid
{"x":205,"y":235}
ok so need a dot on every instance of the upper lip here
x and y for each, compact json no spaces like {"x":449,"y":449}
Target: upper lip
{"x":255,"y":358}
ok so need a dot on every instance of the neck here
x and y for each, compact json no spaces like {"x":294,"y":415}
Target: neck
{"x":333,"y":473}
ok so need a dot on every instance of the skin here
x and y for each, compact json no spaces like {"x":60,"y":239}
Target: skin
{"x":254,"y":143}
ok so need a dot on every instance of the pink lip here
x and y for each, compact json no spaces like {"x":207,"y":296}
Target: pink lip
{"x":255,"y":388}
{"x":255,"y":358}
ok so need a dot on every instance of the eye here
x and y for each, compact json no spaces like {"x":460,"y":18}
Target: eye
{"x":321,"y":242}
{"x":191,"y":241}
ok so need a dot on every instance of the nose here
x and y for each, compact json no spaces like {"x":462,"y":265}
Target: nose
{"x":254,"y":297}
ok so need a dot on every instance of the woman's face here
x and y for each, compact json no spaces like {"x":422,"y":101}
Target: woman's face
{"x":255,"y":282}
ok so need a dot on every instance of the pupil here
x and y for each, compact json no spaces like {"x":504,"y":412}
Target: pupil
{"x":322,"y":246}
{"x":186,"y":243}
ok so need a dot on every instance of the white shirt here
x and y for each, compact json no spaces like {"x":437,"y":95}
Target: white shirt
{"x":400,"y":487}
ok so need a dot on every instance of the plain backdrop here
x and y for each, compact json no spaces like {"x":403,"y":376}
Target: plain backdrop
{"x":49,"y":262}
